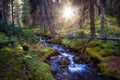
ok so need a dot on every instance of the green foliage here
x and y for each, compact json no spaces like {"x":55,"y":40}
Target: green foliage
{"x":80,"y":34}
{"x":112,"y":20}
{"x":28,"y":35}
{"x":110,"y":26}
{"x":3,"y":38}
{"x":8,"y":29}
{"x":15,"y":39}
{"x":97,"y":21}
{"x":116,"y":31}
{"x":4,"y":26}
{"x":38,"y":69}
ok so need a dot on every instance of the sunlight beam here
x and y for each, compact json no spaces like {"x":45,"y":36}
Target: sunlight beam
{"x":68,"y":13}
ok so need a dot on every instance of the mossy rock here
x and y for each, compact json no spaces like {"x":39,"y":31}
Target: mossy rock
{"x":38,"y":69}
{"x":99,"y":49}
{"x":12,"y":65}
{"x":46,"y":52}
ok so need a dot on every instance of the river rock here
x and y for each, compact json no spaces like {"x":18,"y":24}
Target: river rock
{"x":61,"y":60}
{"x":58,"y":64}
{"x":81,"y":58}
{"x":76,"y":58}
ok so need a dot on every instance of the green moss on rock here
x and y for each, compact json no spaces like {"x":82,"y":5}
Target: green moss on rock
{"x":46,"y":52}
{"x":99,"y":49}
{"x":12,"y":65}
{"x":39,"y":69}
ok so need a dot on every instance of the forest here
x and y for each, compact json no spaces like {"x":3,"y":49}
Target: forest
{"x":59,"y":39}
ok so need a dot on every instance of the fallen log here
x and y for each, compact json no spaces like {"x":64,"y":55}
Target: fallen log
{"x":114,"y":38}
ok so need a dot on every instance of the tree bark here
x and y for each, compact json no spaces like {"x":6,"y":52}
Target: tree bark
{"x":3,"y":10}
{"x":92,"y":22}
{"x":50,"y":17}
{"x":43,"y":15}
{"x":102,"y":16}
{"x":12,"y":5}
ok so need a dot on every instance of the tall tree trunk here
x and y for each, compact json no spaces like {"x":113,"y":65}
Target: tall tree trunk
{"x":12,"y":5}
{"x":18,"y":14}
{"x":102,"y":16}
{"x":92,"y":22}
{"x":3,"y":10}
{"x":50,"y":17}
{"x":43,"y":15}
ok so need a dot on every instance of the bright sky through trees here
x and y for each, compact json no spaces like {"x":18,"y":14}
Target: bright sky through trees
{"x":68,"y":13}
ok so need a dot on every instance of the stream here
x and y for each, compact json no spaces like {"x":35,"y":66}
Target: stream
{"x":72,"y":71}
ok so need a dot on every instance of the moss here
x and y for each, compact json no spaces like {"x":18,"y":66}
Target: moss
{"x":38,"y":69}
{"x":99,"y":53}
{"x":99,"y":49}
{"x":94,"y":53}
{"x":12,"y":65}
{"x":108,"y":71}
{"x":40,"y":32}
{"x":19,"y":48}
{"x":46,"y":52}
{"x":72,"y":43}
{"x":106,"y":52}
{"x":95,"y":43}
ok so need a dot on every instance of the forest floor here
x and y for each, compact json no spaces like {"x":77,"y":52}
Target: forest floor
{"x":23,"y":56}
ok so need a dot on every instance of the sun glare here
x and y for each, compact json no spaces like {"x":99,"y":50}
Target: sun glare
{"x":68,"y":13}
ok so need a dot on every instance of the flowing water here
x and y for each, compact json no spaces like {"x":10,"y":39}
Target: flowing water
{"x":73,"y":71}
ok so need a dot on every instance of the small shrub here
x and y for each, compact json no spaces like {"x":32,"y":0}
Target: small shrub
{"x":3,"y":38}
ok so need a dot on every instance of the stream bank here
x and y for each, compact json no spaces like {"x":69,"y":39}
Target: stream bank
{"x":64,"y":67}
